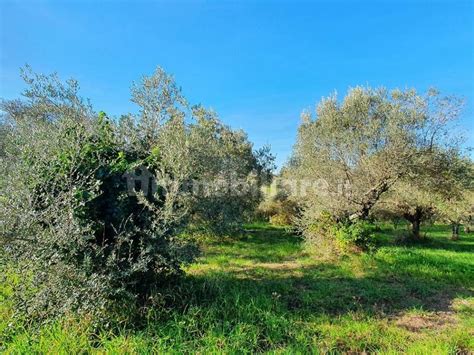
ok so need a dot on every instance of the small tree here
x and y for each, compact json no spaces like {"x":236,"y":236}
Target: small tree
{"x":456,"y":212}
{"x":411,"y":203}
{"x":455,"y":186}
{"x":437,"y":189}
{"x":457,"y":195}
{"x":230,"y":173}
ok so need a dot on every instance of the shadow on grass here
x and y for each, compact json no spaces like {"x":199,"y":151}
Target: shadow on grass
{"x":389,"y":284}
{"x":464,"y":244}
{"x":434,"y":237}
{"x":257,"y":244}
{"x":315,"y":293}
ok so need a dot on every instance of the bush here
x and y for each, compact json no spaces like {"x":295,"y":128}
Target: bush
{"x":281,"y":219}
{"x":356,"y":236}
{"x":328,"y":236}
{"x":278,"y":209}
{"x":319,"y":234}
{"x":85,"y":245}
{"x":85,"y":238}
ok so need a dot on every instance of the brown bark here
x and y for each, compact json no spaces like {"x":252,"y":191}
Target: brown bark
{"x":370,"y":199}
{"x":415,"y":229}
{"x":455,"y":231}
{"x":415,"y":219}
{"x":468,"y":225}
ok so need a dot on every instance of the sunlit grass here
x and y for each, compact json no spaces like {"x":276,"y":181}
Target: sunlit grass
{"x":262,"y":292}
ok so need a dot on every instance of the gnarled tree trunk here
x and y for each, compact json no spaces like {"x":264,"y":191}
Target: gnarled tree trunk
{"x":415,"y":219}
{"x":371,"y":197}
{"x":415,"y":229}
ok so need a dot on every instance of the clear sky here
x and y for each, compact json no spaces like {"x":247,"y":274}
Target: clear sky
{"x":257,"y":63}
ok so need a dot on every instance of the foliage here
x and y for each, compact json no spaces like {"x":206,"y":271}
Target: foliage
{"x":86,"y":239}
{"x":456,"y":203}
{"x":357,"y":149}
{"x":358,"y":236}
{"x":230,"y":174}
{"x":440,"y":191}
{"x":457,"y":211}
{"x":277,"y":206}
{"x":328,"y":236}
{"x":83,"y":243}
{"x":413,"y":203}
{"x":280,"y":219}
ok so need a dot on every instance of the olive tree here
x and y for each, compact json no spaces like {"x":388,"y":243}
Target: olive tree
{"x":366,"y":143}
{"x":82,"y":239}
{"x":83,"y":243}
{"x":457,"y":212}
{"x":226,"y":170}
{"x":438,"y":190}
{"x":457,"y":198}
{"x":410,"y":202}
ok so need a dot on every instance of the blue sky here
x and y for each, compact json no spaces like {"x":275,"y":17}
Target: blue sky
{"x":257,"y":63}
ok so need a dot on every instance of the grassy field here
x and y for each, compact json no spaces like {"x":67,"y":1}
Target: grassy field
{"x":261,"y":292}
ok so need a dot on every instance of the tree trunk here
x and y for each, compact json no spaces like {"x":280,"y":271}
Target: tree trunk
{"x":362,"y":214}
{"x":415,"y":228}
{"x":415,"y":219}
{"x":455,"y":231}
{"x":370,"y":199}
{"x":468,"y":225}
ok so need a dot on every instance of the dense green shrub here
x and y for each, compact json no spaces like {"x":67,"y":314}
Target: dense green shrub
{"x":83,"y":243}
{"x":354,"y":236}
{"x":85,"y":237}
{"x":328,"y":236}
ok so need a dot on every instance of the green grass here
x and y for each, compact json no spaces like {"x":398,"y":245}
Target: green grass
{"x":261,"y":292}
